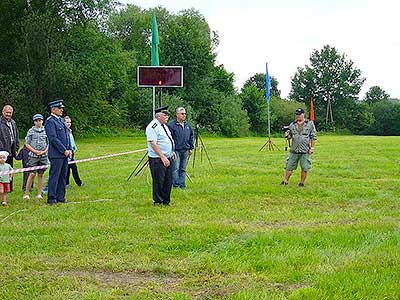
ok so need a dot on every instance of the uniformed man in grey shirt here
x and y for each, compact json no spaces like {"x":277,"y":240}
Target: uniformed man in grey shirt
{"x":303,"y":135}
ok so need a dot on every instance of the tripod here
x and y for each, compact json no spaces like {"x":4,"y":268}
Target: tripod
{"x":269,"y":144}
{"x":197,"y":137}
{"x":141,"y":166}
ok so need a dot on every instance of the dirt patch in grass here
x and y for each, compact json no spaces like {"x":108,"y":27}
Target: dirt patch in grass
{"x":131,"y":279}
{"x":287,"y":224}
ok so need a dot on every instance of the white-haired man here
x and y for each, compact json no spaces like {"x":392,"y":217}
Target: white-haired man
{"x":9,"y":138}
{"x":161,"y":153}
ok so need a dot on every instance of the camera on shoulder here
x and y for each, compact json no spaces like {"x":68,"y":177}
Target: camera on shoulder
{"x":285,"y":128}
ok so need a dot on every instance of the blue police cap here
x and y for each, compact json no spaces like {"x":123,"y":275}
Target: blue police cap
{"x":162,"y":109}
{"x":57,"y":103}
{"x":37,"y":117}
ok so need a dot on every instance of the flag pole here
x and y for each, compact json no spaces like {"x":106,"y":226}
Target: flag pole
{"x":269,"y":123}
{"x":154,"y":102}
{"x":268,"y":144}
{"x":155,"y":60}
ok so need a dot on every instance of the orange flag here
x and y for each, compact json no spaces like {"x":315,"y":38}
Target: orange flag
{"x":312,"y":118}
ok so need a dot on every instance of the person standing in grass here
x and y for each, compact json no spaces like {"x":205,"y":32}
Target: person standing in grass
{"x":23,"y":156}
{"x":72,"y":167}
{"x":182,"y":133}
{"x":160,"y":147}
{"x":303,"y":135}
{"x":37,"y":143}
{"x":9,"y":138}
{"x":59,"y":151}
{"x":6,"y":178}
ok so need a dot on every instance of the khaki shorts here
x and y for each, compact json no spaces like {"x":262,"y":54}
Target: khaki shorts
{"x":294,"y":159}
{"x":38,"y":161}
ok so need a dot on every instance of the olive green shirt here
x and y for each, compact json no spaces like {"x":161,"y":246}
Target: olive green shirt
{"x":301,"y":136}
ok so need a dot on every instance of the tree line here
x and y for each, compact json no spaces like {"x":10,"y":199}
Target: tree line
{"x":87,"y":52}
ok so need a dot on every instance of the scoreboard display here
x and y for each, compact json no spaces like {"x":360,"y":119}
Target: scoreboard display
{"x":160,"y":76}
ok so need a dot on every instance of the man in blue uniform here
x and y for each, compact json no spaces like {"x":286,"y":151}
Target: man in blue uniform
{"x":59,"y":151}
{"x":161,"y":153}
{"x":182,"y":133}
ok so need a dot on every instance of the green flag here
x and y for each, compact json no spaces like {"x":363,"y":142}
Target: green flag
{"x":155,"y":61}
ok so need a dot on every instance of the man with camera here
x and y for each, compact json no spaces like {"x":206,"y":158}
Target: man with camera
{"x":303,"y":135}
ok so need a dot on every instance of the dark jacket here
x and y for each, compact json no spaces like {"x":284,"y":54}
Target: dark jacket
{"x":58,"y":135}
{"x":23,"y":155}
{"x":5,"y":136}
{"x":183,"y":136}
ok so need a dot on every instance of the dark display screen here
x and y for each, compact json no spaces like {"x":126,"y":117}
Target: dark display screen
{"x":160,"y":76}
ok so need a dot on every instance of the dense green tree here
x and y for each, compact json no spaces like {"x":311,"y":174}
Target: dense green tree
{"x":332,"y":80}
{"x":386,"y":118}
{"x":254,"y":103}
{"x":259,"y":81}
{"x":59,"y":50}
{"x":361,"y":118}
{"x":375,"y":94}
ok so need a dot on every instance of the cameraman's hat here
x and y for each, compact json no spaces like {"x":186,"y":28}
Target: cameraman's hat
{"x":299,"y":111}
{"x":57,"y":103}
{"x":162,"y":109}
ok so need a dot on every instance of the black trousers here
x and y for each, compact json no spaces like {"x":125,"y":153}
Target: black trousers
{"x":162,"y":181}
{"x":25,"y":179}
{"x":10,"y":161}
{"x":75,"y":174}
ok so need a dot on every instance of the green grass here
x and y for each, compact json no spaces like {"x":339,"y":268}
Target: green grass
{"x":235,"y":233}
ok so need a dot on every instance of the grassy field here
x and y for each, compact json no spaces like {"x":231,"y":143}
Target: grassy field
{"x":235,"y":233}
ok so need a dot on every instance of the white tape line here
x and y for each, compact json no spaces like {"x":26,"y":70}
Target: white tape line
{"x":92,"y":201}
{"x":10,"y":215}
{"x":70,"y":162}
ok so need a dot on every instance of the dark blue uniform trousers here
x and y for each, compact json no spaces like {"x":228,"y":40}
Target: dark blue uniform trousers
{"x":162,"y":180}
{"x":57,"y":180}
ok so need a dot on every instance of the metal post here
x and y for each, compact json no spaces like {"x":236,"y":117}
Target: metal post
{"x":269,"y":123}
{"x":154,"y":102}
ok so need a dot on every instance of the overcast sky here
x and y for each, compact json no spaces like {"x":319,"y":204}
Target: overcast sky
{"x":285,"y":32}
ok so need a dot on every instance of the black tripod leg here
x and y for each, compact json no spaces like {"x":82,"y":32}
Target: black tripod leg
{"x":196,"y":144}
{"x":142,"y":168}
{"x":205,"y":150}
{"x":137,"y":166}
{"x":263,"y":146}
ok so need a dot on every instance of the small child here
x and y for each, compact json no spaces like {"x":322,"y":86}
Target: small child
{"x":23,"y":156}
{"x":37,"y":143}
{"x":72,"y":167}
{"x":4,"y":179}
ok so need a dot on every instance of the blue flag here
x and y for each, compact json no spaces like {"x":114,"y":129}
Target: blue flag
{"x":267,"y":85}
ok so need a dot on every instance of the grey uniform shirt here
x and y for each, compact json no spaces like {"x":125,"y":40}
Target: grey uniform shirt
{"x":301,"y":136}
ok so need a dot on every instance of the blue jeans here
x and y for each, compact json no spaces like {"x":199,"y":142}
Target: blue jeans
{"x":179,"y":168}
